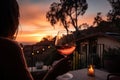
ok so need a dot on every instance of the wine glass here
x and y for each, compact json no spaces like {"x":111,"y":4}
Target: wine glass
{"x":65,"y":42}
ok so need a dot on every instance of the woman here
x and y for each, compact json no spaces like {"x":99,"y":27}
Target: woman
{"x":12,"y":61}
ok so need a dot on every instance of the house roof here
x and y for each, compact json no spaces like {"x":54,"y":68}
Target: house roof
{"x":113,"y":36}
{"x":108,"y":31}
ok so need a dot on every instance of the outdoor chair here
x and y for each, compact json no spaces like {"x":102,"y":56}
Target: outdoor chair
{"x":113,"y":76}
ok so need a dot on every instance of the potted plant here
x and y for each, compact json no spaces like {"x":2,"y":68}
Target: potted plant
{"x":111,"y":59}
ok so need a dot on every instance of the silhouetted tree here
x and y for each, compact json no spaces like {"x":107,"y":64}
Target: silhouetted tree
{"x":98,"y":19}
{"x":84,"y":26}
{"x":48,"y":40}
{"x":114,"y":14}
{"x":66,"y":12}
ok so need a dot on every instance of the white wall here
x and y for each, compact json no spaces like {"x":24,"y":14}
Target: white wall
{"x":108,"y":43}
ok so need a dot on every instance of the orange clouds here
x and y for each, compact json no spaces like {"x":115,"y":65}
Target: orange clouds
{"x":34,"y":25}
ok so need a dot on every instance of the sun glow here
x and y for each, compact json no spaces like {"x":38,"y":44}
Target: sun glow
{"x":34,"y":25}
{"x":30,"y":37}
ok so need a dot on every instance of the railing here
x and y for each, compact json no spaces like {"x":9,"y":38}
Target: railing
{"x":95,"y":57}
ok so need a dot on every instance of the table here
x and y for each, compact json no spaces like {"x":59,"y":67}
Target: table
{"x":81,"y":74}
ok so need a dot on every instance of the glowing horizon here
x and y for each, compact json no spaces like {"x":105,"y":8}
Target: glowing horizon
{"x":34,"y":25}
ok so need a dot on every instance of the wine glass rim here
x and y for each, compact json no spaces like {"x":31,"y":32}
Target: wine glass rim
{"x":65,"y":31}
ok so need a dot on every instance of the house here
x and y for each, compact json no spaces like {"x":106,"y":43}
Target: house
{"x":92,"y":47}
{"x":99,"y":41}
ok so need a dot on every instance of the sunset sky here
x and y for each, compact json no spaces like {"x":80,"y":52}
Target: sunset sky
{"x":34,"y":25}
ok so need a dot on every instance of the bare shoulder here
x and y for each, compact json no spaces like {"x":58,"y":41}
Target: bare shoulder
{"x":7,"y":43}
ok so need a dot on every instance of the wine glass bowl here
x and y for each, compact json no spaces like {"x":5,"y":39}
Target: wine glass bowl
{"x":65,"y":42}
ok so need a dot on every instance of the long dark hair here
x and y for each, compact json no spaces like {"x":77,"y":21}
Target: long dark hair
{"x":9,"y":18}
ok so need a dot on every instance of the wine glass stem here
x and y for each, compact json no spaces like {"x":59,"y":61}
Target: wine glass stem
{"x":65,"y":56}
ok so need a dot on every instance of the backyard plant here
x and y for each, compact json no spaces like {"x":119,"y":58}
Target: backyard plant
{"x":112,"y":60}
